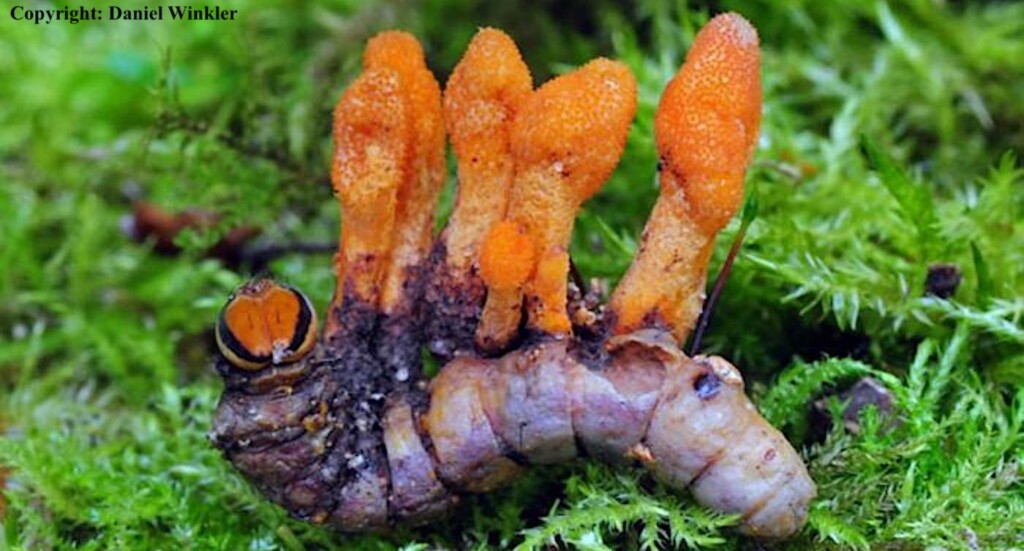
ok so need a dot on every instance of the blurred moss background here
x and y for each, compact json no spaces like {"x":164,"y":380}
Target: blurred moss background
{"x":890,"y":144}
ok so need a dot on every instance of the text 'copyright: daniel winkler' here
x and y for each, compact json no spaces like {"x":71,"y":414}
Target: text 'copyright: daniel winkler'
{"x":117,"y":13}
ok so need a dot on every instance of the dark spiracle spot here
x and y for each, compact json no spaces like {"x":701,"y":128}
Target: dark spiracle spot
{"x":707,"y":385}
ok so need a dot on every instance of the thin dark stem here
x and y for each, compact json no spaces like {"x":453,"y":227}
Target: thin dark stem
{"x":577,"y":277}
{"x":749,"y":213}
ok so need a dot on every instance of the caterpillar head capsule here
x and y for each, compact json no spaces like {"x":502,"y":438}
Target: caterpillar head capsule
{"x":265,"y":322}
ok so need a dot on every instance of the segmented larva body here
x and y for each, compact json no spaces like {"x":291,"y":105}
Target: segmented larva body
{"x":354,"y":436}
{"x":685,"y":419}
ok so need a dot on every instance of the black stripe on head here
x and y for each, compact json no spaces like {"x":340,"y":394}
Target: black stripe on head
{"x":305,"y":318}
{"x":230,"y":341}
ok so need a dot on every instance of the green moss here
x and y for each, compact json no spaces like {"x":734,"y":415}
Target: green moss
{"x":891,"y":139}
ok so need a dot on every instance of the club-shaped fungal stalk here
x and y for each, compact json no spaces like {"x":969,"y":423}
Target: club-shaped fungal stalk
{"x":706,"y":128}
{"x":481,"y":99}
{"x":424,"y":174}
{"x":566,"y":140}
{"x":372,"y":136}
{"x":388,"y":172}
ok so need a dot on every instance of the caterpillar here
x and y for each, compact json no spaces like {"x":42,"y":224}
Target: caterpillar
{"x":347,"y":430}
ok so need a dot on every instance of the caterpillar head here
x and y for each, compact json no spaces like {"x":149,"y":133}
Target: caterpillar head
{"x":265,"y":326}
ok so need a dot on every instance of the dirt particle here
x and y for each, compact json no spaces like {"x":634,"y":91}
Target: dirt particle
{"x":942,"y":280}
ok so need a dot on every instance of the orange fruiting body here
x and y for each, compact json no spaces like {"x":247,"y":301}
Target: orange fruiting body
{"x":266,"y":323}
{"x":709,"y":118}
{"x":550,"y":288}
{"x":507,"y":257}
{"x":574,"y":126}
{"x":371,"y":147}
{"x":706,"y":128}
{"x":481,"y":100}
{"x":423,"y":171}
{"x":566,"y":140}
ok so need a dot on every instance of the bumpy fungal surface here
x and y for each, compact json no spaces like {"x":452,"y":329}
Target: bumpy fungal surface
{"x":351,"y":434}
{"x":706,"y":127}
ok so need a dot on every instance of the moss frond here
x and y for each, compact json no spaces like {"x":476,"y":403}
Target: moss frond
{"x":605,"y":508}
